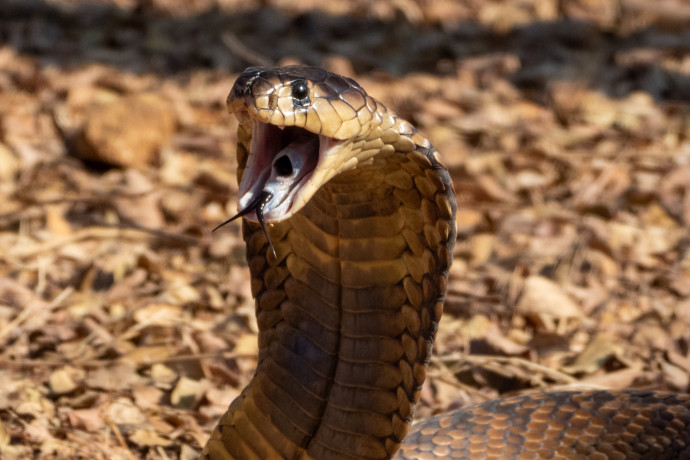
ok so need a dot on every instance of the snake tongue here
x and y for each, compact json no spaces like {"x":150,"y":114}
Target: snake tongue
{"x":256,"y":205}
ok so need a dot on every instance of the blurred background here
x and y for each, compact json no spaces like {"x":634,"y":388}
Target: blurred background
{"x":126,"y":326}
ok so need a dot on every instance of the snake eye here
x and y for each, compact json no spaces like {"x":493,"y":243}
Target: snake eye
{"x":300,"y":92}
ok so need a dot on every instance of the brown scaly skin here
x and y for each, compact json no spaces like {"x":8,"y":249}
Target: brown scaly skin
{"x":349,"y":306}
{"x":561,"y":425}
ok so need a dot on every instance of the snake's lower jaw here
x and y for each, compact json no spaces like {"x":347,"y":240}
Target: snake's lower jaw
{"x":287,"y":163}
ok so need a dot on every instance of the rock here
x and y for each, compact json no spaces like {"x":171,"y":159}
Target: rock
{"x":128,"y":132}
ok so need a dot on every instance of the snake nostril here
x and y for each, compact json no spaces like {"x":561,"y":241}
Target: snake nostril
{"x":283,"y":166}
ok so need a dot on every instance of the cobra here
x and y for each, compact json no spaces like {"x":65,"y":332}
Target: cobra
{"x":349,"y":224}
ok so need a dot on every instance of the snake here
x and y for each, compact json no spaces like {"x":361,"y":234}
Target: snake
{"x":349,"y":225}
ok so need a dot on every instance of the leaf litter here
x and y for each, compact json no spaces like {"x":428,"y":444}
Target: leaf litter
{"x":127,"y":327}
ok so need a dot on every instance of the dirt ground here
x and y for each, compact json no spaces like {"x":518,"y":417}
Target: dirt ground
{"x":126,"y":326}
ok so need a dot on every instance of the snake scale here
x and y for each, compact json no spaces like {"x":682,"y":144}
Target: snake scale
{"x":349,"y":228}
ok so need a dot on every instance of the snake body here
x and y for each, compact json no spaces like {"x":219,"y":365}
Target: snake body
{"x":349,"y":276}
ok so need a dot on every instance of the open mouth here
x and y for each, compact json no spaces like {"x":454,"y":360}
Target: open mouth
{"x":276,"y":180}
{"x":281,"y":160}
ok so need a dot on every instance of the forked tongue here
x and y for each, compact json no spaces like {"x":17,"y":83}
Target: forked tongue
{"x":257,"y":204}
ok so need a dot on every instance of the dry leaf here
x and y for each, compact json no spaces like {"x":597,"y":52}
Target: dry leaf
{"x":188,"y":453}
{"x":621,"y":379}
{"x":542,"y":296}
{"x":599,"y":349}
{"x":481,"y":246}
{"x":147,"y":397}
{"x":162,"y":374}
{"x":221,"y":396}
{"x":496,"y":339}
{"x":9,"y":165}
{"x":246,"y":344}
{"x":568,"y":147}
{"x":4,"y":436}
{"x":148,"y":438}
{"x":149,"y":354}
{"x":38,"y":430}
{"x":120,"y":376}
{"x":61,"y":382}
{"x":86,"y":419}
{"x":467,"y":219}
{"x":188,"y":392}
{"x":677,"y":377}
{"x":157,"y":315}
{"x":123,"y":412}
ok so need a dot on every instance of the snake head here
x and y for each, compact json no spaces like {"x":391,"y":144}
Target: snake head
{"x":306,"y":125}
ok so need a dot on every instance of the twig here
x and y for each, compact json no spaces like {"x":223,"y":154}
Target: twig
{"x":118,"y":434}
{"x":484,"y":359}
{"x":104,"y":233}
{"x":107,"y":362}
{"x":161,"y":453}
{"x":458,"y":384}
{"x":32,"y":309}
{"x":243,"y":51}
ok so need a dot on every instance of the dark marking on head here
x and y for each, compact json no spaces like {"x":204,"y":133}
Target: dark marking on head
{"x":427,"y":151}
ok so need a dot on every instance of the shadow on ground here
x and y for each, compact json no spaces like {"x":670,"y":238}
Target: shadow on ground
{"x":145,"y":40}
